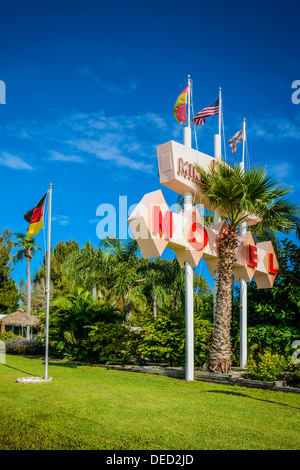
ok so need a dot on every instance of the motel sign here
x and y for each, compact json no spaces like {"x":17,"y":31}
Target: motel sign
{"x":155,"y":228}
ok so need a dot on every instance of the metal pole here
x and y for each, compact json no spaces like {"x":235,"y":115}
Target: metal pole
{"x":220,"y":110}
{"x":189,"y":284}
{"x":187,"y":133}
{"x":217,"y":213}
{"x":189,"y":306}
{"x":243,"y":322}
{"x":48,"y":282}
{"x":243,"y":283}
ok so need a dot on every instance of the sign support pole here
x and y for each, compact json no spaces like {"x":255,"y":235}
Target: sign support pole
{"x":243,"y":283}
{"x":189,"y":275}
{"x":217,"y":214}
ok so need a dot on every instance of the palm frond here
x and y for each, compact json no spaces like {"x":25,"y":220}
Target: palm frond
{"x":241,"y":193}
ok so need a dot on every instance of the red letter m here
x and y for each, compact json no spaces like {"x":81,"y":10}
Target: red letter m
{"x":162,"y":225}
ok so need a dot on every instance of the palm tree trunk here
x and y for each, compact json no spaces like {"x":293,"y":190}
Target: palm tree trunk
{"x":28,"y":284}
{"x":154,"y":307}
{"x":128,"y":318}
{"x":176,"y":302}
{"x":221,"y":351}
{"x":126,"y":311}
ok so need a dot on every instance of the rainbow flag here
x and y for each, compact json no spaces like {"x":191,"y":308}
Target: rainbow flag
{"x":180,"y":106}
{"x":35,"y":218}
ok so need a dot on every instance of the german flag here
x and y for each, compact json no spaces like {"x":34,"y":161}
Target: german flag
{"x":35,"y":218}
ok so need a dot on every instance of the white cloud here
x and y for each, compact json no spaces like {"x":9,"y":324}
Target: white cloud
{"x":124,"y":141}
{"x":275,"y":129}
{"x":108,"y":87}
{"x":280,"y":170}
{"x":61,"y":219}
{"x":14,"y":162}
{"x":56,"y":156}
{"x":87,"y":71}
{"x":109,"y":150}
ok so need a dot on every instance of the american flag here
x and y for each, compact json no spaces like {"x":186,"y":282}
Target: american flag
{"x":210,"y":110}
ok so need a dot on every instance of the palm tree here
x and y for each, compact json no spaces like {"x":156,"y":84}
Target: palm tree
{"x":175,"y":282}
{"x":123,"y":263}
{"x":88,"y":267}
{"x":238,"y":194}
{"x":154,"y":283}
{"x":27,"y":251}
{"x":71,"y":314}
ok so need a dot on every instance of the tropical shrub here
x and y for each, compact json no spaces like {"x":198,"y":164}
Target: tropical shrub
{"x":164,"y":340}
{"x":268,"y":367}
{"x":110,"y":343}
{"x":71,"y":317}
{"x":24,"y":346}
{"x":262,"y":338}
{"x":5,"y":335}
{"x":274,"y":339}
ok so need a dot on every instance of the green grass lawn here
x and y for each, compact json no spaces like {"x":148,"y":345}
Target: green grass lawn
{"x":87,"y":407}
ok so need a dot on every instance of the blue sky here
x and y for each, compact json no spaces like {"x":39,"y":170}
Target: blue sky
{"x":90,"y":90}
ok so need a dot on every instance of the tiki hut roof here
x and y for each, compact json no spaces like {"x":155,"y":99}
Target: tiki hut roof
{"x":20,"y":318}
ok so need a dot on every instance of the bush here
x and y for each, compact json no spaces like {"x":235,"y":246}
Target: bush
{"x":268,"y":367}
{"x":262,"y":338}
{"x":293,"y":379}
{"x":111,"y":343}
{"x":276,"y":340}
{"x":164,"y":340}
{"x":24,"y":346}
{"x":5,"y":335}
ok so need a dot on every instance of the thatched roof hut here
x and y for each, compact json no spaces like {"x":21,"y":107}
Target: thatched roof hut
{"x":20,"y":318}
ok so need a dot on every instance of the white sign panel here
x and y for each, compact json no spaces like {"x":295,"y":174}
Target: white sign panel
{"x":177,"y":171}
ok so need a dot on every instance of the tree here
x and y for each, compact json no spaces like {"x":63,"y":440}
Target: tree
{"x":154,"y":285}
{"x":58,"y":273}
{"x":9,"y":297}
{"x":175,"y":282}
{"x":27,"y":251}
{"x":238,"y":194}
{"x":38,"y":294}
{"x":272,"y":314}
{"x":123,"y":262}
{"x":89,"y":268}
{"x":70,"y":316}
{"x":163,"y":340}
{"x":279,"y":307}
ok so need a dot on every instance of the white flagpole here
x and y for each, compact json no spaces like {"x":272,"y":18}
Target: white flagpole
{"x":220,"y":110}
{"x":244,"y":142}
{"x":243,"y":283}
{"x":48,"y":281}
{"x":187,"y":133}
{"x":189,"y":288}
